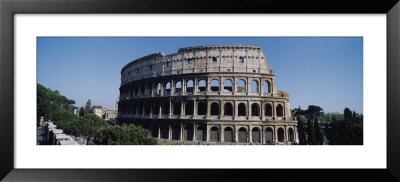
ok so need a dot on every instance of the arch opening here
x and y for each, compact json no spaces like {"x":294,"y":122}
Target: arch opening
{"x":281,"y":135}
{"x":256,"y":135}
{"x":269,"y":135}
{"x":254,"y":86}
{"x":201,"y":133}
{"x":202,"y":86}
{"x":188,"y":132}
{"x":255,"y":110}
{"x":228,"y":134}
{"x":214,"y":108}
{"x":201,"y":108}
{"x":228,"y":85}
{"x":189,"y":86}
{"x":242,"y":109}
{"x":214,"y":85}
{"x":214,"y":134}
{"x":279,"y":110}
{"x":189,"y":108}
{"x":242,"y":135}
{"x":178,"y":87}
{"x":241,"y":86}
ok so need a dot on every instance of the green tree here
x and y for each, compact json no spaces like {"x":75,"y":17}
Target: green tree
{"x":89,"y":124}
{"x":348,"y":115}
{"x":301,"y":121}
{"x":124,"y":135}
{"x":88,"y":107}
{"x":81,"y":112}
{"x":310,"y":133}
{"x":345,"y":131}
{"x":319,"y":138}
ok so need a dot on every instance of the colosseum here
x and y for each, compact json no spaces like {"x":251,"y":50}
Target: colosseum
{"x":207,"y":95}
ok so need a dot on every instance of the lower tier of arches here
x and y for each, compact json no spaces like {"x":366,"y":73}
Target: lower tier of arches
{"x":221,"y":132}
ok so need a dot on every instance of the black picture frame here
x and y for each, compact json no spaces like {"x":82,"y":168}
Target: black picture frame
{"x":8,"y":8}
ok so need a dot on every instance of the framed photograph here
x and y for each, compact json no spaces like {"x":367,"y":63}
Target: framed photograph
{"x":187,"y":90}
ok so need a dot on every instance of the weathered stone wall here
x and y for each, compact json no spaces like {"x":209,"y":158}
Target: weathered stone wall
{"x":159,"y":88}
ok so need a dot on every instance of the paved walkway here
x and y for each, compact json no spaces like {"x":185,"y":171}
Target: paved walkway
{"x":41,"y":138}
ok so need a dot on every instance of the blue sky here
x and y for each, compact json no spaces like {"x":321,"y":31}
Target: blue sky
{"x":323,"y":71}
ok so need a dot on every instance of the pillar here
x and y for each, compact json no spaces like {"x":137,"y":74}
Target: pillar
{"x":194,"y":132}
{"x":276,"y":134}
{"x":222,"y":138}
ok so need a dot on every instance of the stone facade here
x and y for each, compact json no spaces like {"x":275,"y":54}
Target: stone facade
{"x":209,"y":94}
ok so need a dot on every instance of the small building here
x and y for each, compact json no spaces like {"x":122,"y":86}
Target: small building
{"x":97,"y":109}
{"x":110,"y":114}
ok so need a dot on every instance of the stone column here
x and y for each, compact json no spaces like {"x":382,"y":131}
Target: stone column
{"x":182,"y":109}
{"x":208,"y":133}
{"x":194,"y":107}
{"x":249,"y":133}
{"x":159,"y":132}
{"x":274,"y":110}
{"x":248,"y":86}
{"x":170,"y":108}
{"x":222,"y":138}
{"x":194,"y":132}
{"x":260,"y":87}
{"x":276,"y":134}
{"x":172,"y":89}
{"x":181,"y":131}
{"x":248,"y":110}
{"x":296,"y":135}
{"x":286,"y":133}
{"x":236,"y":134}
{"x":159,"y":110}
{"x":262,"y":110}
{"x":195,"y":85}
{"x":183,"y":86}
{"x":221,"y":109}
{"x":234,"y":84}
{"x":235,"y":109}
{"x":169,"y":132}
{"x":263,"y":134}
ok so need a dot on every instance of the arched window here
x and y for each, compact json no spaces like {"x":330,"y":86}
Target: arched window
{"x":215,"y":85}
{"x":142,"y":89}
{"x":166,"y":108}
{"x":254,"y":86}
{"x":228,"y":85}
{"x":134,"y":108}
{"x":228,"y":109}
{"x":147,"y":108}
{"x":255,"y":135}
{"x":154,"y":131}
{"x":242,"y":135}
{"x":201,"y":108}
{"x":201,"y":133}
{"x":269,"y":135}
{"x":281,"y":135}
{"x":164,"y":132}
{"x":255,"y":110}
{"x":188,"y":132}
{"x":291,"y":135}
{"x":177,"y":108}
{"x":266,"y":87}
{"x":149,"y":87}
{"x":156,"y":108}
{"x":168,"y":88}
{"x":176,"y":132}
{"x":242,"y":109}
{"x":136,"y":91}
{"x":228,"y":134}
{"x":140,"y":111}
{"x":214,"y":108}
{"x":189,"y":108}
{"x":279,"y":110}
{"x":202,"y":85}
{"x":214,"y":134}
{"x":241,"y":86}
{"x":159,"y":88}
{"x":268,"y":110}
{"x":178,"y":86}
{"x":189,"y":86}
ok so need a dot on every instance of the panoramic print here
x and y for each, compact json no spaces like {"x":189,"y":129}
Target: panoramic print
{"x":199,"y":91}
